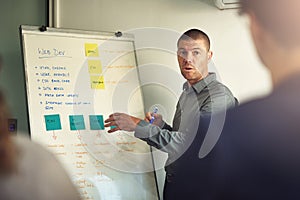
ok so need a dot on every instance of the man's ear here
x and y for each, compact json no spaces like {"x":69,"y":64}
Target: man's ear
{"x":265,"y":44}
{"x":209,"y":55}
{"x":256,"y":30}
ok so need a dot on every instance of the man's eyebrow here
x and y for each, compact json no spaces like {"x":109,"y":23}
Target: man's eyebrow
{"x":192,"y":48}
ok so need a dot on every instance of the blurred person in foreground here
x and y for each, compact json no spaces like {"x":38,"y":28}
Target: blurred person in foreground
{"x":28,"y":171}
{"x":258,"y":153}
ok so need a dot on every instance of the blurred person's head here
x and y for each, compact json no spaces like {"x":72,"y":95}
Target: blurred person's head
{"x":1,"y":62}
{"x":280,"y":18}
{"x":275,"y":29}
{"x":7,"y":149}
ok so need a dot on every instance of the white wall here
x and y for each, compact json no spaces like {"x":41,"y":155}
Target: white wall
{"x":234,"y":55}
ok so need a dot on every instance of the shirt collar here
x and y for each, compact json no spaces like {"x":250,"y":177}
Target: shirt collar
{"x":199,"y":86}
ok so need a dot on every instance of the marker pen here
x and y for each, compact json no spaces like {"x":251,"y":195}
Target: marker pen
{"x":155,"y":110}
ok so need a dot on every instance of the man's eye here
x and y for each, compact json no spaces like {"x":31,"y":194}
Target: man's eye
{"x":196,"y":52}
{"x":182,"y":53}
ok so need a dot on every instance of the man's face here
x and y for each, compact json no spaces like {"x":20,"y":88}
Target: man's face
{"x":193,"y":58}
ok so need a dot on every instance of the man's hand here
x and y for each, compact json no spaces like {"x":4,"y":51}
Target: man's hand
{"x":122,"y":121}
{"x":158,"y":121}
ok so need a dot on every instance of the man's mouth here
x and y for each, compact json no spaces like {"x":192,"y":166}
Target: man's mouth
{"x":187,"y":68}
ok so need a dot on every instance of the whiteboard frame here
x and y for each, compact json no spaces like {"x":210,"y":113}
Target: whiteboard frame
{"x":75,"y":33}
{"x":26,"y":29}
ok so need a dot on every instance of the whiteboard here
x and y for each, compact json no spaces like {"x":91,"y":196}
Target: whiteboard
{"x":74,"y":80}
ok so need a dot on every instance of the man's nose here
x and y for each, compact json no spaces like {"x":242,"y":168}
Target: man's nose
{"x":188,"y":58}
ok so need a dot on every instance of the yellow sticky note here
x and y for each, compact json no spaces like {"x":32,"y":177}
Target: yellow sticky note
{"x":97,"y":82}
{"x":91,"y":50}
{"x":95,"y":66}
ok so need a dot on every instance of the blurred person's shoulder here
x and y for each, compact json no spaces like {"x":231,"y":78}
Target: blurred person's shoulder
{"x":36,"y":164}
{"x":31,"y":150}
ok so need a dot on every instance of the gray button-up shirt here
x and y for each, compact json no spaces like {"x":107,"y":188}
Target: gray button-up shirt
{"x":205,"y":97}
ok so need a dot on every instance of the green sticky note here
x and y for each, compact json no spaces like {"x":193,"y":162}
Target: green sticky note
{"x":76,"y":122}
{"x":52,"y":122}
{"x":96,"y":122}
